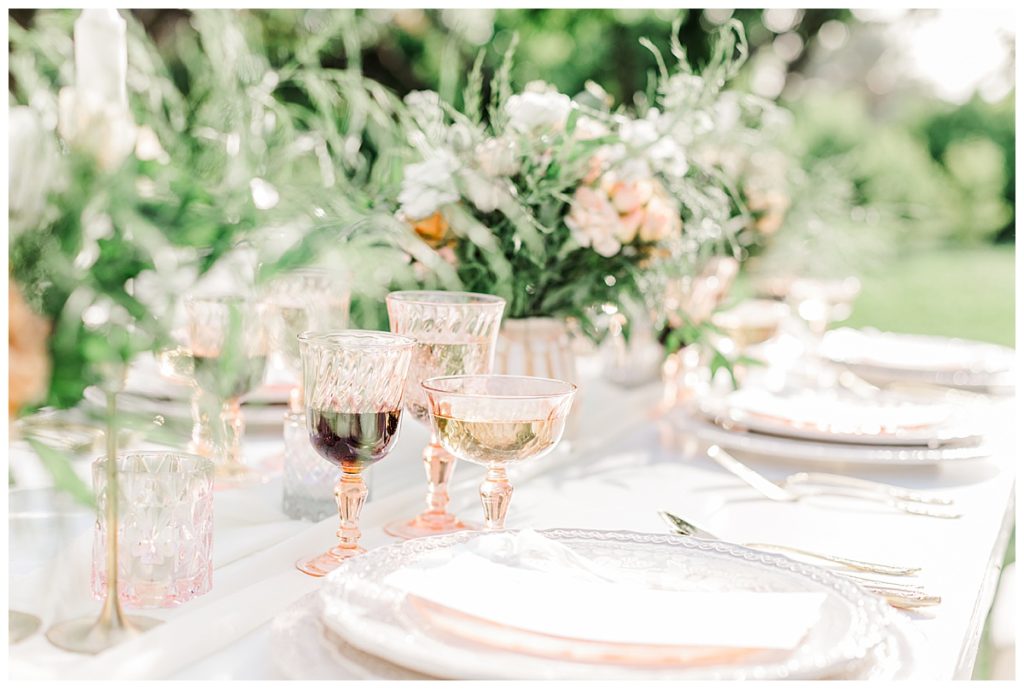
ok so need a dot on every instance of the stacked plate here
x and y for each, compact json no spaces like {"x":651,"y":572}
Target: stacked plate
{"x":581,"y":604}
{"x":883,"y":357}
{"x":816,"y":425}
{"x":147,"y":391}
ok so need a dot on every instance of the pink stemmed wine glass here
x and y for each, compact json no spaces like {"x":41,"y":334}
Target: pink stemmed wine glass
{"x":456,"y":334}
{"x":353,"y":382}
{"x":495,"y":421}
{"x":228,"y":347}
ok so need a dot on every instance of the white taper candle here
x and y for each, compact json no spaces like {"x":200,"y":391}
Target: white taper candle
{"x":101,"y":57}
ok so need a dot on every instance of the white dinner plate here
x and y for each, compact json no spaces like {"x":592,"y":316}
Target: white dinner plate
{"x":887,"y":357}
{"x":305,"y":649}
{"x":373,"y":617}
{"x":822,"y":452}
{"x":825,"y":416}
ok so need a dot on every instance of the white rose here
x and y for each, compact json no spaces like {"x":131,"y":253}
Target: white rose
{"x":639,"y":133}
{"x":428,"y":186}
{"x":534,"y":111}
{"x":423,"y":101}
{"x":425,"y":108}
{"x":497,"y":157}
{"x":588,"y":128}
{"x":661,"y":220}
{"x":100,"y":128}
{"x":485,"y":194}
{"x":669,"y":156}
{"x":147,"y":146}
{"x":459,"y":137}
{"x":32,"y":157}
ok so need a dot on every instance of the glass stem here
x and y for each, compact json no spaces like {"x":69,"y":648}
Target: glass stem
{"x":350,"y":492}
{"x":439,"y":465}
{"x":201,"y":441}
{"x":495,"y":494}
{"x":111,"y":615}
{"x":234,"y":427}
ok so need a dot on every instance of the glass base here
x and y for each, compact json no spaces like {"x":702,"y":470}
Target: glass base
{"x":325,"y":563}
{"x":21,"y":625}
{"x":90,"y":635}
{"x":232,"y":475}
{"x":428,"y":524}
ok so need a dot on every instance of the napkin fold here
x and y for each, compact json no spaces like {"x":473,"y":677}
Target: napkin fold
{"x":531,"y":583}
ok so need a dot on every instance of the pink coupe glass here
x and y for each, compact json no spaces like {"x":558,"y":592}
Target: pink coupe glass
{"x":455,"y":334}
{"x":495,"y":421}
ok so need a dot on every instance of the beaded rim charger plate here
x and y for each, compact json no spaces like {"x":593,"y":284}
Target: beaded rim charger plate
{"x":306,"y":649}
{"x":379,"y":620}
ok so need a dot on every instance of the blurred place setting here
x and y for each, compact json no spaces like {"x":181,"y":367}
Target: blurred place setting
{"x":531,"y":344}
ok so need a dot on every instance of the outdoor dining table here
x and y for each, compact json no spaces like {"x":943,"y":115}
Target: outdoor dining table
{"x":624,"y":461}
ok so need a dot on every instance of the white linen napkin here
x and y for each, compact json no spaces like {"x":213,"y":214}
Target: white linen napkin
{"x":533,"y":583}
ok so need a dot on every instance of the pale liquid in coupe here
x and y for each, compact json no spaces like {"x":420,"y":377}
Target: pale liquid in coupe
{"x":498,"y":442}
{"x":465,"y":356}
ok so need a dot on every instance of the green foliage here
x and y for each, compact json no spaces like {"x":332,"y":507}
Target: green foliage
{"x":932,"y":175}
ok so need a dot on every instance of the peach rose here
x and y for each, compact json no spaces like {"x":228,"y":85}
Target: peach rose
{"x":629,"y":196}
{"x":594,"y":221}
{"x":447,"y":254}
{"x":595,"y":166}
{"x":629,"y":224}
{"x":769,"y":207}
{"x":661,"y":220}
{"x":29,"y":362}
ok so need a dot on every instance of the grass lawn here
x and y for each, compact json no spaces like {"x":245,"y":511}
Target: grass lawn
{"x":955,"y":292}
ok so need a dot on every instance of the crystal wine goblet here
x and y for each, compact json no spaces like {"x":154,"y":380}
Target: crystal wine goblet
{"x":495,"y":421}
{"x":228,"y":349}
{"x":455,"y":334}
{"x":315,"y":300}
{"x":353,"y":382}
{"x":308,"y":299}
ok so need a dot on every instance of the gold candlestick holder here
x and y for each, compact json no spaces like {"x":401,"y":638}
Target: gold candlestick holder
{"x":93,"y":635}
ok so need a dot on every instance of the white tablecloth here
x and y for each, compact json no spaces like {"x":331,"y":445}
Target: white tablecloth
{"x":622,"y":466}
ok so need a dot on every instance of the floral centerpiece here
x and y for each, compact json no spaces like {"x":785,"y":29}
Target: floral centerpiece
{"x":533,"y":201}
{"x":567,"y":207}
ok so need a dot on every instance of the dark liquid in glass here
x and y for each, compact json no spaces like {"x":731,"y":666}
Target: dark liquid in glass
{"x":353,"y":441}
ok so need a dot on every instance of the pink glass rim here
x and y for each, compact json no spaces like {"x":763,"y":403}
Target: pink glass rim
{"x":443,"y":298}
{"x":437,"y":385}
{"x":196,"y":462}
{"x":220,"y":298}
{"x":356,"y":339}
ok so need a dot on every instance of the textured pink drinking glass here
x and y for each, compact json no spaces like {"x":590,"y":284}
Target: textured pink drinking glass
{"x":495,"y":421}
{"x":228,"y":345}
{"x":165,"y":528}
{"x":455,"y":333}
{"x":353,"y":382}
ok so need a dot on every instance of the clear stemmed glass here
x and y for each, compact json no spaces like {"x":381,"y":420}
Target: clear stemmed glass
{"x":309,"y":299}
{"x":495,"y":421}
{"x":304,"y":300}
{"x":353,"y":382}
{"x":228,"y":348}
{"x":820,"y":302}
{"x":455,"y":333}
